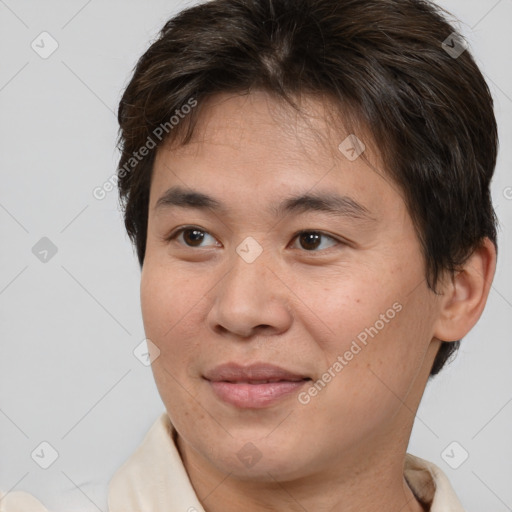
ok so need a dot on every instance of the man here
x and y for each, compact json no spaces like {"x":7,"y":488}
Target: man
{"x":307,"y":186}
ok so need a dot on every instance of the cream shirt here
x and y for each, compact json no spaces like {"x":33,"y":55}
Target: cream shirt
{"x":154,"y":479}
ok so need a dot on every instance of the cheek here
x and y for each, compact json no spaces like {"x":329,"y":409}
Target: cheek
{"x":373,"y":333}
{"x":346,"y":309}
{"x":380,"y":307}
{"x":380,"y":360}
{"x":167,"y":298}
{"x":169,"y":305}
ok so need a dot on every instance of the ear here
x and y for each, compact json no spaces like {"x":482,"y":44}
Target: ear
{"x":465,"y":295}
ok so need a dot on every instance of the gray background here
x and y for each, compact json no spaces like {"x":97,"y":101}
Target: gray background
{"x":69,"y":326}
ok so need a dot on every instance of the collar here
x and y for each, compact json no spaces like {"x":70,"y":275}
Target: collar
{"x":154,"y":478}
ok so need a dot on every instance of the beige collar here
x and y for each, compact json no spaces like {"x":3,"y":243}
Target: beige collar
{"x":154,"y":479}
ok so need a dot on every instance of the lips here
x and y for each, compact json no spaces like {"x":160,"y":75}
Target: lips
{"x":253,"y":387}
{"x":257,"y":373}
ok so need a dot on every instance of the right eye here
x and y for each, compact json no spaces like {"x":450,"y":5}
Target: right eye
{"x":190,"y":236}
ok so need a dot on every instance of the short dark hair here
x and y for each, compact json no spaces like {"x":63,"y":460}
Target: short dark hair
{"x":385,"y":62}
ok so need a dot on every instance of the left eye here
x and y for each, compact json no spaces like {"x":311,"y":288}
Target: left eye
{"x":311,"y":240}
{"x":194,"y":237}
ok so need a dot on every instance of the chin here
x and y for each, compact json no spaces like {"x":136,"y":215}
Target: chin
{"x":256,"y":459}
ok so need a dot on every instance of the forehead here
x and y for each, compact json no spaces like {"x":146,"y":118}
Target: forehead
{"x":315,"y":126}
{"x":255,"y":142}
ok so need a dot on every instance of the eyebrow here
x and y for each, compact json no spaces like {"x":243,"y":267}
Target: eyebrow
{"x":326,"y":202}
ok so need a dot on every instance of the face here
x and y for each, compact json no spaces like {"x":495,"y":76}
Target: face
{"x":289,"y":306}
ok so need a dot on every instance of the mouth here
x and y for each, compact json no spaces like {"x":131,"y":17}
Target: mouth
{"x":256,"y":386}
{"x":253,"y":373}
{"x":266,"y":381}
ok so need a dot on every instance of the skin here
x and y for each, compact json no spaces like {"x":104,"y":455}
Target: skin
{"x":296,"y":307}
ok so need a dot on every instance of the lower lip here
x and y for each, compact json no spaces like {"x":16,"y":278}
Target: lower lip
{"x":255,"y":396}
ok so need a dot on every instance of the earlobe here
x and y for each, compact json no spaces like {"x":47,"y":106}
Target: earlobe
{"x":465,"y":296}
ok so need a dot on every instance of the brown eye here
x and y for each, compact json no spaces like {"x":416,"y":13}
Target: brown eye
{"x":311,"y":240}
{"x":192,"y":237}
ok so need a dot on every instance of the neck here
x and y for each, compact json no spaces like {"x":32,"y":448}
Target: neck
{"x":356,"y":487}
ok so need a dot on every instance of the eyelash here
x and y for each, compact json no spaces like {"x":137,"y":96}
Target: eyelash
{"x":177,"y":232}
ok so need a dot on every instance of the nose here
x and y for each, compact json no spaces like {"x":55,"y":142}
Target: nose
{"x":251,"y":299}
